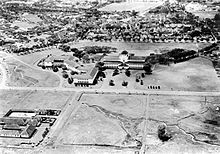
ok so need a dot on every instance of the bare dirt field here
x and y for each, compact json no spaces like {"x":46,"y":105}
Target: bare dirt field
{"x":23,"y":75}
{"x":192,"y":122}
{"x":194,"y":75}
{"x":114,"y":120}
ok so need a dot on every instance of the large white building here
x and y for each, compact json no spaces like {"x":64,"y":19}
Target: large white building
{"x":124,"y":61}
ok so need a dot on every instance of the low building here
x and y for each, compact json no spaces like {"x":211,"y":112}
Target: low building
{"x":9,"y":133}
{"x":88,"y":78}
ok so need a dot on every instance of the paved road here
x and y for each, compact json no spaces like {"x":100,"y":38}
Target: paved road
{"x":146,"y":124}
{"x":117,"y":91}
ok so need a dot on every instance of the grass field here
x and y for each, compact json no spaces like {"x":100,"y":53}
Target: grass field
{"x":128,"y":6}
{"x":31,"y":100}
{"x":141,"y":49}
{"x":192,"y":118}
{"x":105,"y":120}
{"x":22,"y":75}
{"x":194,"y":75}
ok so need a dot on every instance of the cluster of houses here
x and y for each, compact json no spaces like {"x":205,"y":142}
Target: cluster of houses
{"x":24,"y":123}
{"x":169,"y":23}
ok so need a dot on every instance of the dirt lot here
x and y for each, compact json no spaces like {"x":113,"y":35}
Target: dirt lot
{"x":22,"y":75}
{"x":190,"y":120}
{"x":114,"y":120}
{"x":194,"y":75}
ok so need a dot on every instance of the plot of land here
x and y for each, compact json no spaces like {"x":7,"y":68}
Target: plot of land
{"x":140,"y":49}
{"x":127,"y":6}
{"x":32,"y":100}
{"x":22,"y":75}
{"x":194,"y":75}
{"x":189,"y":119}
{"x":115,"y":120}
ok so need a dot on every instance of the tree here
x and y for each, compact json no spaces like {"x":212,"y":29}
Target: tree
{"x":116,"y":72}
{"x":124,"y":83}
{"x":142,"y":82}
{"x":128,"y":73}
{"x":162,"y":133}
{"x":73,"y":72}
{"x":111,"y":83}
{"x":70,"y":80}
{"x":147,"y":68}
{"x":55,"y":69}
{"x":65,"y":75}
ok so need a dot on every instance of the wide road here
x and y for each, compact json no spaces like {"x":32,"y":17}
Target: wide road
{"x":117,"y":91}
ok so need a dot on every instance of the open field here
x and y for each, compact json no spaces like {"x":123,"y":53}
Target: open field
{"x":32,"y":100}
{"x":23,"y":25}
{"x":34,"y":58}
{"x":194,"y":75}
{"x":192,"y":121}
{"x":205,"y":14}
{"x":114,"y":120}
{"x":23,"y":75}
{"x":128,"y":6}
{"x":140,"y":49}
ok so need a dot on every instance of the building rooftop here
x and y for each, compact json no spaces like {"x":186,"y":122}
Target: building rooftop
{"x":89,"y":74}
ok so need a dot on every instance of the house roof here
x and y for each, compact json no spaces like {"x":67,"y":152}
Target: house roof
{"x":89,"y":75}
{"x":28,"y":131}
{"x":9,"y":120}
{"x":10,"y":133}
{"x":111,"y":58}
{"x":11,"y":127}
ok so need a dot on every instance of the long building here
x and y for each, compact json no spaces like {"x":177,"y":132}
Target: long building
{"x":124,"y":61}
